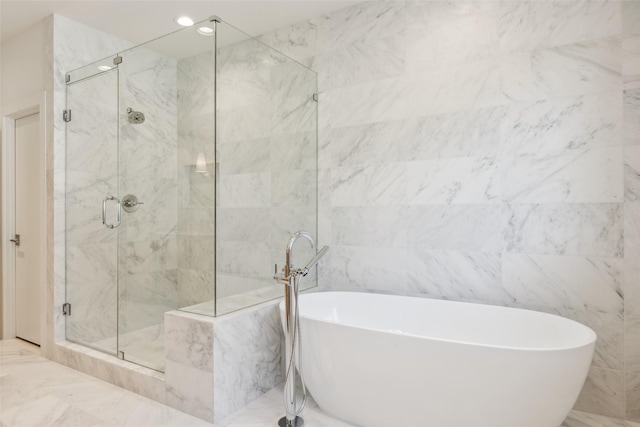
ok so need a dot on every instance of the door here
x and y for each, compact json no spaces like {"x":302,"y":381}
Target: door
{"x":91,"y":208}
{"x":29,"y":179}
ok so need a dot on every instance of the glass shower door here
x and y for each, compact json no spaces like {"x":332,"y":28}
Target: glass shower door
{"x":91,"y":192}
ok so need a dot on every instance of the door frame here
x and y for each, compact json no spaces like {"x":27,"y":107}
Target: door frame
{"x":34,"y":104}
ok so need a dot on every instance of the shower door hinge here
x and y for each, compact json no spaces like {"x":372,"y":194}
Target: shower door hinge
{"x":66,"y":309}
{"x":121,"y":355}
{"x":117,"y":60}
{"x":66,"y":115}
{"x":315,"y":97}
{"x":67,"y":78}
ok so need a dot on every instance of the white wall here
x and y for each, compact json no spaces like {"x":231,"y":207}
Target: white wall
{"x":23,"y":66}
{"x":22,"y":72}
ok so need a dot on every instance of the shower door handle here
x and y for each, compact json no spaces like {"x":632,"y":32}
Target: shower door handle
{"x":104,"y":211}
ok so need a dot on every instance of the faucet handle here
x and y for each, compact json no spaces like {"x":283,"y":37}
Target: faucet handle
{"x":282,"y":278}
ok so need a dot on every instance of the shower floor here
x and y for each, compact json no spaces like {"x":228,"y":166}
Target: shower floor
{"x":143,"y":346}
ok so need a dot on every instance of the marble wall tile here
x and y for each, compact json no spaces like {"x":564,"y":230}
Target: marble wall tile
{"x":570,"y":70}
{"x":444,"y":34}
{"x":369,"y":226}
{"x":603,"y":393}
{"x":367,"y":268}
{"x":553,"y":281}
{"x":557,"y":126}
{"x":295,"y":115}
{"x":463,"y":180}
{"x":283,"y":222}
{"x":632,"y":289}
{"x":558,"y":178}
{"x":243,"y":124}
{"x":293,"y":188}
{"x":155,"y":255}
{"x":294,"y":151}
{"x":565,"y":229}
{"x":632,"y":173}
{"x":366,"y":103}
{"x":610,"y":344}
{"x":244,"y":224}
{"x":367,"y":186}
{"x":247,"y":357}
{"x":525,"y":26}
{"x":189,"y":340}
{"x":189,"y":363}
{"x":196,"y":221}
{"x":630,"y":17}
{"x":631,"y":112}
{"x":190,"y":390}
{"x":299,"y":41}
{"x":229,"y":285}
{"x":454,"y":89}
{"x":455,"y":275}
{"x":244,"y":157}
{"x":362,"y":23}
{"x":245,"y":190}
{"x":631,"y":61}
{"x":195,"y":286}
{"x":632,"y":229}
{"x":350,"y":146}
{"x":196,"y":252}
{"x":367,"y":61}
{"x":468,"y":228}
{"x":632,"y":394}
{"x":468,"y":133}
{"x":245,"y":258}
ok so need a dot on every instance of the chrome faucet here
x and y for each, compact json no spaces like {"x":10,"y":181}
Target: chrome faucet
{"x":291,"y":278}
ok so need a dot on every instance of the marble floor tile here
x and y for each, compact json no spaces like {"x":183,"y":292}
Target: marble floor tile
{"x":35,"y":391}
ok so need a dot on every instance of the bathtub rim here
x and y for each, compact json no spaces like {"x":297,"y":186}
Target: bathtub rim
{"x":590,"y":338}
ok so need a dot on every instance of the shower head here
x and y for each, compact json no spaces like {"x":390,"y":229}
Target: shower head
{"x":135,"y":117}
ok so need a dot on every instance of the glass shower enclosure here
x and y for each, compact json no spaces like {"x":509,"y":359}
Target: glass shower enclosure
{"x":190,"y":160}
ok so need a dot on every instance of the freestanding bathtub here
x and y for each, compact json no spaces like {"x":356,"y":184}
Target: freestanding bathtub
{"x":381,"y":360}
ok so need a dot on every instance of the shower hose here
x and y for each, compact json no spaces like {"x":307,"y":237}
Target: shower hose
{"x":289,"y":400}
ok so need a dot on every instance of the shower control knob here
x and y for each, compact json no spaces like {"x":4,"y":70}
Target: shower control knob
{"x":130,"y":203}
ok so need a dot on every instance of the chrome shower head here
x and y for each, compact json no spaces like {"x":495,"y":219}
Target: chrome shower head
{"x":135,"y":117}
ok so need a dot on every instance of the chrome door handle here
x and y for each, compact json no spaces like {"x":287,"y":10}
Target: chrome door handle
{"x":104,"y":211}
{"x":16,"y":240}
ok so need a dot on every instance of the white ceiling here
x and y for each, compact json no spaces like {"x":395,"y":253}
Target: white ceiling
{"x":143,"y":20}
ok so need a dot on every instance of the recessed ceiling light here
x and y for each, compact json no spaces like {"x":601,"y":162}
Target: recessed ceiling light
{"x":104,"y":67}
{"x":185,"y":21}
{"x":205,"y":31}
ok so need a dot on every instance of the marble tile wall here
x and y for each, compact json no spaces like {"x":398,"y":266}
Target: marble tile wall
{"x":216,"y":365}
{"x":486,"y":151}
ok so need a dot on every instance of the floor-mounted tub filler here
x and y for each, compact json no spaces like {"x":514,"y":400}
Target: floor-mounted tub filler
{"x":291,"y":324}
{"x":381,"y":360}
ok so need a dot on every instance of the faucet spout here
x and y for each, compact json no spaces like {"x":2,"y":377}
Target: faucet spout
{"x":294,"y":238}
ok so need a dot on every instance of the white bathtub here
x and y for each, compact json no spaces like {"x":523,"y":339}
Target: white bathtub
{"x":380,"y":360}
